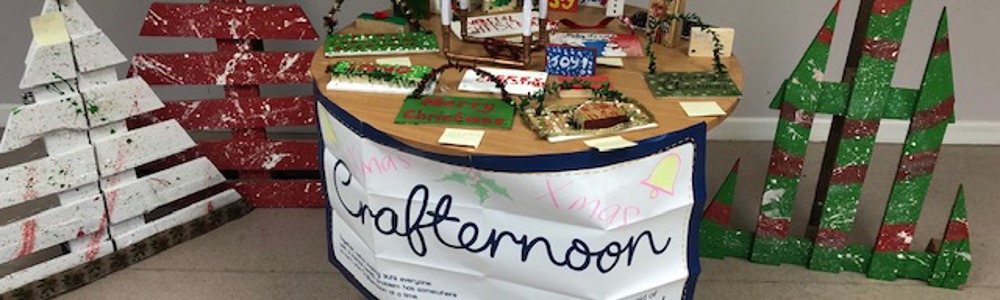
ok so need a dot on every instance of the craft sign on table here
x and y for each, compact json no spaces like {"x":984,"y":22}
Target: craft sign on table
{"x":376,"y":78}
{"x":380,"y":44}
{"x":581,"y":91}
{"x":570,"y":61}
{"x":609,"y":44}
{"x":692,"y":84}
{"x":703,"y":42}
{"x":518,"y":82}
{"x":407,"y":226}
{"x":495,"y":25}
{"x":456,"y":111}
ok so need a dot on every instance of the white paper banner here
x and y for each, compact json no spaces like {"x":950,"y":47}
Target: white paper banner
{"x":407,"y":227}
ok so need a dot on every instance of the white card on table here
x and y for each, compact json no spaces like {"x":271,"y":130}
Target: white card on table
{"x":462,"y":137}
{"x":610,"y":143}
{"x":703,"y":109}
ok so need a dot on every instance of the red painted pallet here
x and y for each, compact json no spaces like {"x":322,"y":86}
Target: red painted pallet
{"x":239,"y":65}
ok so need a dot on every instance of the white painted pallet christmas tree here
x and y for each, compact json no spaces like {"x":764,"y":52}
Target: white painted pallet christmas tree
{"x":79,"y":109}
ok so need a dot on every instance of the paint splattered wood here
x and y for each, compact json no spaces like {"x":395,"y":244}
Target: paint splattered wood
{"x":798,"y":106}
{"x":30,"y":122}
{"x":50,"y":228}
{"x":144,"y":195}
{"x":95,"y":51}
{"x":223,"y":68}
{"x":228,"y":21}
{"x":119,"y":100}
{"x":241,"y":72}
{"x":44,"y":270}
{"x":865,"y":110}
{"x":237,"y":113}
{"x":291,"y":193}
{"x":48,"y":176}
{"x":718,"y":240}
{"x":951,"y":270}
{"x":916,"y":168}
{"x":239,"y":155}
{"x":184,"y":215}
{"x":139,"y":147}
{"x":48,"y":64}
{"x":73,"y":270}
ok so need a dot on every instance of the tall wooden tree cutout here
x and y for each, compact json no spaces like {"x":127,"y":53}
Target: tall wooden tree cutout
{"x":858,"y":108}
{"x":270,"y":173}
{"x":109,"y":215}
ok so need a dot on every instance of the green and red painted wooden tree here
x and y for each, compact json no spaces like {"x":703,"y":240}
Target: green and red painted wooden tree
{"x":862,"y":105}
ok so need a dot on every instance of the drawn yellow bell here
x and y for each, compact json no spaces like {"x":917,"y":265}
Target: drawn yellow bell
{"x":664,"y":176}
{"x":329,"y":136}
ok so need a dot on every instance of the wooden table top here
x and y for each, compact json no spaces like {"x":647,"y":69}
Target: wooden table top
{"x":380,"y":110}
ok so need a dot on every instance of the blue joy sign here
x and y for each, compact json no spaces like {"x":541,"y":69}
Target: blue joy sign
{"x":570,"y":61}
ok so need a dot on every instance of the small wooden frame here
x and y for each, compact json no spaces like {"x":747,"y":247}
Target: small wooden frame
{"x":520,"y":60}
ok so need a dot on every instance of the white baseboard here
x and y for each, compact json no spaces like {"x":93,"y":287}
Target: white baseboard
{"x":891,"y":131}
{"x":5,"y":109}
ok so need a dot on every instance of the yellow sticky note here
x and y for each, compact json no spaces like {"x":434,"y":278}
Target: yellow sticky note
{"x":49,"y":29}
{"x":703,"y":109}
{"x":462,"y":137}
{"x":395,"y":61}
{"x":611,"y":61}
{"x":610,"y":143}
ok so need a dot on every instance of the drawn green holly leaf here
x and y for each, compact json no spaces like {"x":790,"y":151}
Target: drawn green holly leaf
{"x":482,"y":193}
{"x":496,"y":188}
{"x":456,"y":177}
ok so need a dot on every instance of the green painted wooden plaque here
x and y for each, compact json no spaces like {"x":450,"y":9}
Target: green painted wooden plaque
{"x":691,"y":84}
{"x":456,"y":112}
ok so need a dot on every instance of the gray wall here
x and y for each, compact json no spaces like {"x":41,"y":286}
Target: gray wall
{"x":771,"y":36}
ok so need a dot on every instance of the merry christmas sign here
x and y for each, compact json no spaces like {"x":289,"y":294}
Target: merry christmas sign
{"x":409,"y":224}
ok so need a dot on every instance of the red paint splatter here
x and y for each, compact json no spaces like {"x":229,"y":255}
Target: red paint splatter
{"x":719,"y":213}
{"x":94,"y":245}
{"x":29,"y":187}
{"x":854,"y":129}
{"x":773,"y":228}
{"x":892,"y":237}
{"x":934,"y":116}
{"x":849,"y":175}
{"x":784,"y":164}
{"x":796,"y":116}
{"x":825,"y":36}
{"x":941,"y":46}
{"x":882,"y":49}
{"x":27,"y":238}
{"x":956,"y":231}
{"x":831,"y":238}
{"x":886,"y":7}
{"x":916,"y":165}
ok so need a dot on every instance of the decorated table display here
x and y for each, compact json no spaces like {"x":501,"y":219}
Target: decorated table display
{"x":518,"y":217}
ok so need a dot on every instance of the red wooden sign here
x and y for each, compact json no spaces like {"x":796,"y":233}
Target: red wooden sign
{"x":240,"y":66}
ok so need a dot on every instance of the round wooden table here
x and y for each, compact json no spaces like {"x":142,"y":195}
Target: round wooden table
{"x":379,"y":110}
{"x":519,"y":217}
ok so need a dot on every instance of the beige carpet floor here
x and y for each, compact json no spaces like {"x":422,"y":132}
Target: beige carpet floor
{"x":280,"y":253}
